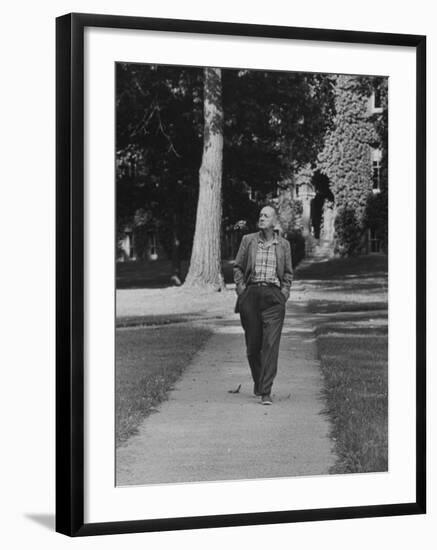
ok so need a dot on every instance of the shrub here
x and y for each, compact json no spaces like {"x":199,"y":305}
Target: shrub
{"x":347,"y":232}
{"x":297,"y":244}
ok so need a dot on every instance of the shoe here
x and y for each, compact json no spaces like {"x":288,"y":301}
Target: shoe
{"x":266,"y":400}
{"x":256,"y":393}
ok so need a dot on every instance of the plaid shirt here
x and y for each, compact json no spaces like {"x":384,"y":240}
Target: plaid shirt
{"x":265,"y":262}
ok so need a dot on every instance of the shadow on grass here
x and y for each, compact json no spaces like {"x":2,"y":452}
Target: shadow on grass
{"x":149,"y":274}
{"x":356,"y":285}
{"x":333,"y":306}
{"x":356,"y":268}
{"x":152,"y":320}
{"x":162,"y":320}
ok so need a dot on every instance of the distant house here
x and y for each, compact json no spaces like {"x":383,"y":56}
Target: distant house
{"x":139,"y":245}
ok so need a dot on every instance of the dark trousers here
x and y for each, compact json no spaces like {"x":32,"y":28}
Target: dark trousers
{"x":262,"y":312}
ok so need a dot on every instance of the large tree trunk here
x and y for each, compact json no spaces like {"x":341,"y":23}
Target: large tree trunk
{"x":205,"y":264}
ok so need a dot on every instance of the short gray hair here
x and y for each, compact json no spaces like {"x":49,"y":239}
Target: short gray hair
{"x":273,"y":207}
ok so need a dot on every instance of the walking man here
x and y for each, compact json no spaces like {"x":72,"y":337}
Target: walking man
{"x":263,"y":275}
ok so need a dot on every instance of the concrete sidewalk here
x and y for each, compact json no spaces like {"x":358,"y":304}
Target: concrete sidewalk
{"x":205,"y":433}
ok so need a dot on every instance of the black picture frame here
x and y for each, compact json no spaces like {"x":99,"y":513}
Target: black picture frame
{"x":70,"y":272}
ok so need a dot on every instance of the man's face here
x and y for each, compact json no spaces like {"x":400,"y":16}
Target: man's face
{"x":267,"y":218}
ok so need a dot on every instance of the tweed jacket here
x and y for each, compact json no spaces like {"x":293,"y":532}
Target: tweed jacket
{"x":245,"y":264}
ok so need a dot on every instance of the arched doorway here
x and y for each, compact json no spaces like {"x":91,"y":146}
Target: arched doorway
{"x":322,"y":211}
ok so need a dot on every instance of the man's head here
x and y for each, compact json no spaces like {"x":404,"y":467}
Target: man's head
{"x":268,"y":218}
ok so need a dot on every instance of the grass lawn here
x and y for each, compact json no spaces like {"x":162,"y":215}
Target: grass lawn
{"x":148,"y":274}
{"x":348,"y":301}
{"x":152,"y":320}
{"x":354,"y":365}
{"x":147,"y":367}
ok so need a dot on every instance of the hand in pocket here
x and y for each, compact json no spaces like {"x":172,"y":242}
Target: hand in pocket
{"x":241,"y":290}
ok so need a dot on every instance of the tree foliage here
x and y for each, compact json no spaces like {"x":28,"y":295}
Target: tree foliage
{"x":159,"y":133}
{"x":274,"y":122}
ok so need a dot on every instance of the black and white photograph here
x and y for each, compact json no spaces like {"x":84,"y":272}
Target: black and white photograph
{"x":215,"y":275}
{"x":251,"y":260}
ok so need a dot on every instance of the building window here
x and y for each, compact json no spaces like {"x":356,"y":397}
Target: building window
{"x":375,"y":157}
{"x":252,"y":194}
{"x":131,"y":245}
{"x":377,"y":101}
{"x":376,"y":176}
{"x":375,"y":242}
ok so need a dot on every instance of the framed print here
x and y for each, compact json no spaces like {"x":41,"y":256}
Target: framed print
{"x":240,"y":274}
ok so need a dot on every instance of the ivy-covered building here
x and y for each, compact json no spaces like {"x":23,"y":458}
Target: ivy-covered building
{"x":342,"y":197}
